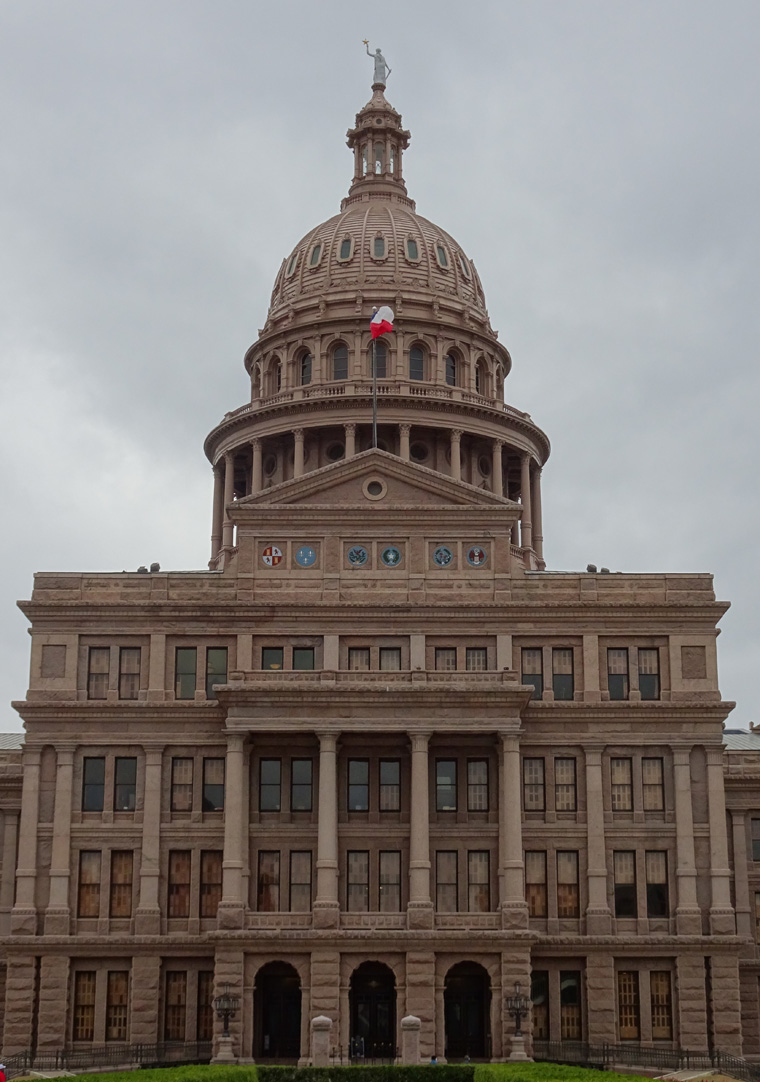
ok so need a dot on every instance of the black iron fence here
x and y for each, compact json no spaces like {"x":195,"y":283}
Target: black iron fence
{"x":635,"y":1055}
{"x":163,"y":1054}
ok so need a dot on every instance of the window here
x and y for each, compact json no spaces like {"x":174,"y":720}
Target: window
{"x":340,"y":362}
{"x":358,"y":785}
{"x":412,"y":249}
{"x":306,"y":368}
{"x":617,"y":673}
{"x":213,"y":785}
{"x":570,"y":1005}
{"x":216,"y":669}
{"x":357,"y":900}
{"x":450,"y":362}
{"x":175,"y":1005}
{"x":300,"y":881}
{"x":268,"y":894}
{"x":446,"y":892}
{"x":755,"y":826}
{"x":565,"y":798}
{"x":303,"y":658}
{"x":477,"y":785}
{"x":476,"y":659}
{"x":445,"y":658}
{"x":463,"y":265}
{"x":358,"y":658}
{"x":120,"y":904}
{"x":654,"y":789}
{"x":563,"y":681}
{"x":97,"y":672}
{"x":211,"y":882}
{"x":446,"y":785}
{"x":390,"y":881}
{"x":270,"y":784}
{"x":185,"y":672}
{"x":657,"y":883}
{"x":624,"y":866}
{"x":443,"y":259}
{"x":179,"y":883}
{"x":93,"y":784}
{"x":88,"y":903}
{"x":568,"y":899}
{"x":300,"y":785}
{"x":345,"y":248}
{"x":533,"y":669}
{"x":628,"y":1006}
{"x":205,"y":1008}
{"x":534,"y":789}
{"x":272,"y":657}
{"x":416,"y":363}
{"x":125,"y":784}
{"x":379,"y":354}
{"x":378,"y":248}
{"x":117,"y":1000}
{"x":662,"y":1007}
{"x":316,"y":252}
{"x":622,"y":785}
{"x":757,"y":917}
{"x":390,"y":785}
{"x":649,"y":673}
{"x":479,"y":380}
{"x":539,"y":994}
{"x":292,"y":264}
{"x":84,"y":1005}
{"x":478,"y":895}
{"x":129,"y":672}
{"x":390,"y":658}
{"x":182,"y":785}
{"x":535,"y":883}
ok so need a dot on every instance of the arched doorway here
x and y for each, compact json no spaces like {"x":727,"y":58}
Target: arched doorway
{"x":277,"y":1013}
{"x":467,"y":1012}
{"x":373,"y":1011}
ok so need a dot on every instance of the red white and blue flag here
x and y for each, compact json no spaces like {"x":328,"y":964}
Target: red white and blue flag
{"x":382,"y":321}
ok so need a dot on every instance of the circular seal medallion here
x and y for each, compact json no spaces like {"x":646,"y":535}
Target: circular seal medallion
{"x":306,"y":556}
{"x":357,"y":555}
{"x":443,"y":556}
{"x":476,"y":556}
{"x":390,"y":556}
{"x":272,"y":556}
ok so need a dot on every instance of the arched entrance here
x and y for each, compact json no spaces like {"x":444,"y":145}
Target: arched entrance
{"x":277,"y":1013}
{"x":372,"y":997}
{"x":467,"y":1012}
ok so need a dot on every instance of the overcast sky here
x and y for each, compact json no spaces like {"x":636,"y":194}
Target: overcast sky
{"x":598,"y":159}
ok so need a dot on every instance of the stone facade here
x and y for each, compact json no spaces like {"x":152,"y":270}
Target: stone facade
{"x":377,"y":763}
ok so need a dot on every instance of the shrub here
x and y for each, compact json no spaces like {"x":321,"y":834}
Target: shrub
{"x":389,"y":1073}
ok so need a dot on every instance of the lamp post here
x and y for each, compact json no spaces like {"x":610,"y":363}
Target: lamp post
{"x":226,"y":1005}
{"x":518,"y":1005}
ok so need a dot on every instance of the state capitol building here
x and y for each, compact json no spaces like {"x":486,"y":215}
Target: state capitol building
{"x":377,"y":761}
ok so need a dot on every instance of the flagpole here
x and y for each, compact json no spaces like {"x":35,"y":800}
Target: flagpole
{"x":374,"y":392}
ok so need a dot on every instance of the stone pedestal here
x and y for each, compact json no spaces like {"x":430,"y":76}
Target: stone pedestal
{"x":420,"y":915}
{"x":410,"y":1039}
{"x":325,"y":915}
{"x":320,"y":1040}
{"x":517,"y":1050}
{"x":224,"y":1051}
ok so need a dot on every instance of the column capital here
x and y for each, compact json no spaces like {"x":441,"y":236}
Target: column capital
{"x":405,"y":429}
{"x":298,"y":435}
{"x":420,"y":740}
{"x":456,"y":435}
{"x":64,"y":754}
{"x":681,"y":756}
{"x":510,"y":740}
{"x":526,"y":457}
{"x":255,"y":441}
{"x":350,"y":427}
{"x":235,"y":742}
{"x":499,"y":443}
{"x":229,"y":457}
{"x":328,"y":739}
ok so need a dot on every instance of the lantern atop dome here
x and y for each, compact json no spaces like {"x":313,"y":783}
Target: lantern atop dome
{"x":378,"y":141}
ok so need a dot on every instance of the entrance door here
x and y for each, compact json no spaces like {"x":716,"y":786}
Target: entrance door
{"x":373,"y":1012}
{"x":277,"y":1007}
{"x":467,"y":1003}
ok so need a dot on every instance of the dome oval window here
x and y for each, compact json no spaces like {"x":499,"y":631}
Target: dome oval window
{"x":340,"y":362}
{"x":412,"y":249}
{"x":292,"y":265}
{"x":346,"y":250}
{"x":416,"y":363}
{"x":316,"y":255}
{"x":443,"y":259}
{"x":464,"y":266}
{"x":378,"y":248}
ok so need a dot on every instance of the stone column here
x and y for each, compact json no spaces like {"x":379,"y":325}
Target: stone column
{"x":420,"y":998}
{"x":298,"y":452}
{"x":257,"y":474}
{"x":722,"y":918}
{"x":157,"y":668}
{"x":326,"y":905}
{"x":148,"y":913}
{"x":691,"y":1001}
{"x":420,"y":910}
{"x":20,"y":985}
{"x":58,"y":913}
{"x":456,"y":459}
{"x":538,"y":530}
{"x":8,"y":880}
{"x":527,"y":526}
{"x":217,"y":514}
{"x":598,"y":916}
{"x":404,"y":431}
{"x":744,"y":906}
{"x":726,"y":1006}
{"x":232,"y":906}
{"x":591,"y":690}
{"x":350,"y":430}
{"x":229,"y":488}
{"x":145,"y":992}
{"x":320,"y":1040}
{"x":601,"y":995}
{"x":410,"y":1039}
{"x":514,"y":911}
{"x":496,"y":468}
{"x":24,"y":912}
{"x":688,"y":915}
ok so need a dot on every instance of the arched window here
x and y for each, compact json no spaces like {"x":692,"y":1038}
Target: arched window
{"x":340,"y":361}
{"x":443,"y":259}
{"x":481,"y":378}
{"x":380,"y":352}
{"x":291,"y":265}
{"x":274,"y":376}
{"x":278,"y":377}
{"x":416,"y":363}
{"x":378,"y":247}
{"x":379,"y":155}
{"x":316,"y":254}
{"x":412,"y":249}
{"x":344,"y":251}
{"x":306,"y":363}
{"x":364,"y":160}
{"x":451,"y":369}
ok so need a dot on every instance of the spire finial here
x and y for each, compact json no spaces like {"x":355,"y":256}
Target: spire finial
{"x":382,"y":71}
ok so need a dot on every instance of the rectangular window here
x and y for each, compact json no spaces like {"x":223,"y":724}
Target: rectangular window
{"x":300,"y":785}
{"x":358,"y":658}
{"x":185,"y":672}
{"x":272,"y":657}
{"x":534,"y":788}
{"x":358,"y":785}
{"x":213,"y":785}
{"x":270,"y":784}
{"x":649,"y":673}
{"x":446,"y":890}
{"x":662,"y":1005}
{"x":300,"y":881}
{"x":624,"y":864}
{"x":88,"y":904}
{"x":628,"y":1006}
{"x":205,"y":1006}
{"x":216,"y":669}
{"x":93,"y":784}
{"x":476,"y":659}
{"x":539,"y":994}
{"x":617,"y":672}
{"x":565,"y":792}
{"x":563,"y":679}
{"x":182,"y":785}
{"x":129,"y":672}
{"x":478,"y":881}
{"x":390,"y":658}
{"x":653,"y":784}
{"x":446,"y":785}
{"x":268,"y":895}
{"x":445,"y":658}
{"x":390,"y":785}
{"x":535,"y":883}
{"x":755,"y":827}
{"x":175,"y":1005}
{"x":303,"y":658}
{"x":621,"y":778}
{"x":390,"y":881}
{"x":117,"y":1003}
{"x":122,"y":862}
{"x":84,"y":1005}
{"x":570,"y":1025}
{"x":357,"y":900}
{"x":533,"y":669}
{"x":568,"y":897}
{"x":98,"y":663}
{"x":125,"y":784}
{"x":477,"y":785}
{"x":211,"y":882}
{"x":657,"y":883}
{"x":179,"y":883}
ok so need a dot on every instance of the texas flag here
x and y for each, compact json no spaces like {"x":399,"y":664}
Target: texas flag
{"x":382,"y":321}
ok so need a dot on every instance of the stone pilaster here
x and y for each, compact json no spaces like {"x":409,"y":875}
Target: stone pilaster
{"x":54,"y":1000}
{"x":420,"y":910}
{"x":24,"y":912}
{"x":232,"y":907}
{"x":456,"y":457}
{"x":19,"y":1003}
{"x":257,"y":473}
{"x":514,"y":911}
{"x":420,"y":998}
{"x":688,"y":915}
{"x":229,"y":489}
{"x":526,"y":523}
{"x":217,"y":513}
{"x":744,"y":903}
{"x":691,"y":1002}
{"x":591,"y":689}
{"x":58,"y":914}
{"x":601,"y":999}
{"x":598,"y":916}
{"x":722,"y":917}
{"x":148,"y":912}
{"x":298,"y":452}
{"x":144,"y":992}
{"x":8,"y":880}
{"x":326,"y":909}
{"x":496,"y":467}
{"x":726,"y":1006}
{"x":325,"y":984}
